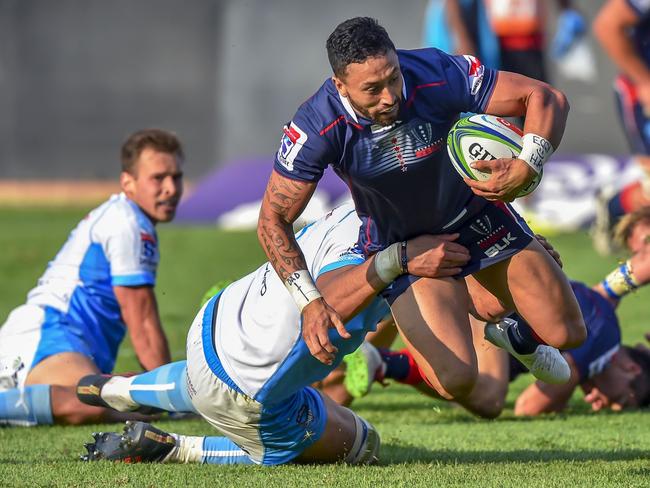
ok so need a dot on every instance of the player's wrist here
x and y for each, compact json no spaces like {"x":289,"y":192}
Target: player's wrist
{"x":302,"y":288}
{"x":621,"y":281}
{"x":391,"y":262}
{"x":535,"y":151}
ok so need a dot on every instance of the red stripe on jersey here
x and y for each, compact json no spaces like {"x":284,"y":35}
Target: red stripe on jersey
{"x":340,"y":118}
{"x":409,"y":102}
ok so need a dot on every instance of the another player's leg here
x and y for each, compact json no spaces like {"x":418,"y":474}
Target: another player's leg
{"x":532,"y":283}
{"x":164,"y":388}
{"x":432,"y":318}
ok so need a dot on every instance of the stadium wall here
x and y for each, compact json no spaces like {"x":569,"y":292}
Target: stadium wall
{"x":76,"y":76}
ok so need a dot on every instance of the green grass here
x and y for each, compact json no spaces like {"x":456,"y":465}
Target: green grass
{"x":425,"y":442}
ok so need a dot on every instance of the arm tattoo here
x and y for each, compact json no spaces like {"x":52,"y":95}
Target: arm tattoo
{"x":283,"y":202}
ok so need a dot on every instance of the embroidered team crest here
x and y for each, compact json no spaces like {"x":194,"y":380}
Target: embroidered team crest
{"x":475,"y":73}
{"x":293,"y":138}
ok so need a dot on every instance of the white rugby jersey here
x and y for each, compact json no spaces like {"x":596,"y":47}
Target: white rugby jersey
{"x":114,"y":245}
{"x":257,"y":333}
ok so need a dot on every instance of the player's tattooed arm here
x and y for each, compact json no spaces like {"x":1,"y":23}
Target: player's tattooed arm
{"x":283,"y":202}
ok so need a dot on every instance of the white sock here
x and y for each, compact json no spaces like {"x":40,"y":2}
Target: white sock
{"x":116,"y":393}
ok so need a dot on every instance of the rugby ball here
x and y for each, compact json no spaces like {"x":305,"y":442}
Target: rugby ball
{"x":484,"y":137}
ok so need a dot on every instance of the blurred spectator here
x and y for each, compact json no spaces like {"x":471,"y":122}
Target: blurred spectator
{"x":623,"y":29}
{"x":505,"y":34}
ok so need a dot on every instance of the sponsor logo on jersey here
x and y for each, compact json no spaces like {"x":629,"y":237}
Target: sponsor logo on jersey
{"x":293,"y":138}
{"x":148,"y":249}
{"x":475,"y":73}
{"x":494,"y":240}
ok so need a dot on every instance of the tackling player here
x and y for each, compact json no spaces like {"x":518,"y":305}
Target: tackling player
{"x":381,"y":121}
{"x":623,"y":29}
{"x":248,"y":370}
{"x":98,"y":286}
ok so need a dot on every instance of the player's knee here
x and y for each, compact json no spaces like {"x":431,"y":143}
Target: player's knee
{"x":574,"y":334}
{"x":458,"y":382}
{"x":490,"y":403}
{"x":365,"y":449}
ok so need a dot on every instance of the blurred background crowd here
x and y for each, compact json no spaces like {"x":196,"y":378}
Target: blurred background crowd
{"x":225,"y":75}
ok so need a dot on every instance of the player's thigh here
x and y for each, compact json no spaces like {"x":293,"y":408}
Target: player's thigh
{"x":432,"y":318}
{"x":64,"y":369}
{"x":484,"y":305}
{"x":346,"y":437}
{"x":532,"y":283}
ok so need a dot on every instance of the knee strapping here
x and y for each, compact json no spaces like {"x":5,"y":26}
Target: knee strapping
{"x":366,"y":443}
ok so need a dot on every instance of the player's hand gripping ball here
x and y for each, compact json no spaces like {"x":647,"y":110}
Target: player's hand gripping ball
{"x":482,"y":137}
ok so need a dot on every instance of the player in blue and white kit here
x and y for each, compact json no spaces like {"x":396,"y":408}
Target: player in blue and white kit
{"x":248,"y":370}
{"x":381,"y":122}
{"x":623,"y":29}
{"x":98,"y":286}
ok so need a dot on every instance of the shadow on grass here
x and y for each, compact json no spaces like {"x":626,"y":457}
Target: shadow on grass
{"x":394,"y":454}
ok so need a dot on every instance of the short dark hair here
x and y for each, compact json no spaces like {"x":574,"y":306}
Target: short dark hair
{"x":356,"y":40}
{"x":157,"y":139}
{"x":641,"y":384}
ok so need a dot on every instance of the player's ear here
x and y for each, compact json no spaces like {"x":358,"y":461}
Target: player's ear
{"x":340,"y":86}
{"x":127,"y":182}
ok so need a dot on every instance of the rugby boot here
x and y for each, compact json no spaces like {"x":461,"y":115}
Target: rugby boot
{"x":363,"y":367}
{"x":139,"y":442}
{"x":546,"y":363}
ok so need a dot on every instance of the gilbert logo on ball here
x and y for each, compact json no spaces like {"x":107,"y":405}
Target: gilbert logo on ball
{"x":482,"y":137}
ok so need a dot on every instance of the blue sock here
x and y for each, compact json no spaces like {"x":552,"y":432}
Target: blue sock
{"x":164,"y":387}
{"x":397,"y":364}
{"x":26,"y":406}
{"x":615,"y":208}
{"x":221,"y":450}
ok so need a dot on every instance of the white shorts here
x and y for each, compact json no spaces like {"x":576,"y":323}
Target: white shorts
{"x":269,"y":434}
{"x":19,"y":339}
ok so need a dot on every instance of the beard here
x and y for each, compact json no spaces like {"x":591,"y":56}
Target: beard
{"x":378,"y":118}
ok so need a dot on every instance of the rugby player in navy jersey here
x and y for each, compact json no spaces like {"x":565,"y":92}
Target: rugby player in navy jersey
{"x":381,"y":122}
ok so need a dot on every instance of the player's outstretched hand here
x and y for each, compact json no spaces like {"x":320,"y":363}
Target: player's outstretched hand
{"x":436,"y":256}
{"x":317,"y":318}
{"x":507,"y":178}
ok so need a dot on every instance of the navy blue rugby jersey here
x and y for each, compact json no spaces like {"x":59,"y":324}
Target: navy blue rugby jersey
{"x":641,"y":32}
{"x":603,"y":334}
{"x":400,"y":176}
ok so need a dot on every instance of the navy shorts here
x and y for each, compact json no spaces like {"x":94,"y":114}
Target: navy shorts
{"x":636,"y":124}
{"x":492,"y":235}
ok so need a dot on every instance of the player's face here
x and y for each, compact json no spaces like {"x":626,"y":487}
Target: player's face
{"x":157,"y":185}
{"x":374,"y":87}
{"x":614,"y":387}
{"x":639,"y":238}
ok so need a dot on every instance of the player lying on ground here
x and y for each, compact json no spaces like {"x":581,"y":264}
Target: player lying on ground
{"x":381,"y":121}
{"x":610,"y":375}
{"x":99,"y":285}
{"x":248,"y":370}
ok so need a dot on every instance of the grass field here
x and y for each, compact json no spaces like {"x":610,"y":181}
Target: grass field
{"x":425,"y":442}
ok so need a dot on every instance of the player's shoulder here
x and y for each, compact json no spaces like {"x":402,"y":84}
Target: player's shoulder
{"x":323,"y":111}
{"x":422,"y":63}
{"x":119,"y":215}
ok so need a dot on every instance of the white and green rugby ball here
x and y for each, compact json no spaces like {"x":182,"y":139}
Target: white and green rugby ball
{"x":484,"y":137}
